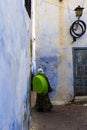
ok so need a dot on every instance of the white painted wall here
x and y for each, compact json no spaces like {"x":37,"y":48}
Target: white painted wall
{"x":14,"y":65}
{"x":54,"y":44}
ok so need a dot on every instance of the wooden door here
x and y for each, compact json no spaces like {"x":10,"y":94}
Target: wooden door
{"x":80,"y":71}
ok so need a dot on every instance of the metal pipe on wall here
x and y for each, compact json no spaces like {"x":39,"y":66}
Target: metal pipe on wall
{"x":33,"y":66}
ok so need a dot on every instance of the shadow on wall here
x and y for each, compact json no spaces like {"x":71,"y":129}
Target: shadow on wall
{"x":28,"y":7}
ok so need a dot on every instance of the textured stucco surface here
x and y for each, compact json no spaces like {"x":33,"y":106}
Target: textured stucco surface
{"x":54,"y":44}
{"x":14,"y":65}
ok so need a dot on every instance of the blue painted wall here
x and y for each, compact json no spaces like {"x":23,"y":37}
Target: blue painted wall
{"x":54,"y":45}
{"x":14,"y":66}
{"x":49,"y":65}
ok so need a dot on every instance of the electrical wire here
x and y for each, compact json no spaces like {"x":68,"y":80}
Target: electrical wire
{"x":83,"y":2}
{"x":56,"y":5}
{"x":63,"y":6}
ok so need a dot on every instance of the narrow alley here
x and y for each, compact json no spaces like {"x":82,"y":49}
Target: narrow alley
{"x":61,"y":117}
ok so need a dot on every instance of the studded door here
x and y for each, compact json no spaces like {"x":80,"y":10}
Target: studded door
{"x":80,"y":71}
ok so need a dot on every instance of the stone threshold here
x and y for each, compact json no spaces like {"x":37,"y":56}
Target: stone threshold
{"x":77,"y":100}
{"x":80,"y":99}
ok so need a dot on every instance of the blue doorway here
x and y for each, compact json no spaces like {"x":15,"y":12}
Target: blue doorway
{"x":80,"y":71}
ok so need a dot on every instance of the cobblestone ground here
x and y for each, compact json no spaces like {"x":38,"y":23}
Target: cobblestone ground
{"x":62,"y":117}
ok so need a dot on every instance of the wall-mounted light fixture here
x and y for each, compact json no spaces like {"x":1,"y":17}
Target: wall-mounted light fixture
{"x":78,"y":28}
{"x":79,"y":11}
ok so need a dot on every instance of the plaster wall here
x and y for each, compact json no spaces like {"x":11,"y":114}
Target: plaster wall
{"x":54,"y":44}
{"x":14,"y":66}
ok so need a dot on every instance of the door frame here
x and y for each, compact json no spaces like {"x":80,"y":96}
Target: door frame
{"x":74,"y":63}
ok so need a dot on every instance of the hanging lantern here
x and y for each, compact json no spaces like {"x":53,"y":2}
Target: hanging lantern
{"x":79,"y":11}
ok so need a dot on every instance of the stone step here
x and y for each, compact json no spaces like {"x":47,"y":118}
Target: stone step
{"x":80,"y":99}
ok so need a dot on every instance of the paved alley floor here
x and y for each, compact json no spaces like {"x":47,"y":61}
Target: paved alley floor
{"x":62,"y":117}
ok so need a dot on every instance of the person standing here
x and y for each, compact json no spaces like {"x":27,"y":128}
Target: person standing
{"x":43,"y":102}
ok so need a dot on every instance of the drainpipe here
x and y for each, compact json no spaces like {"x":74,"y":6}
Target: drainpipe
{"x":33,"y":66}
